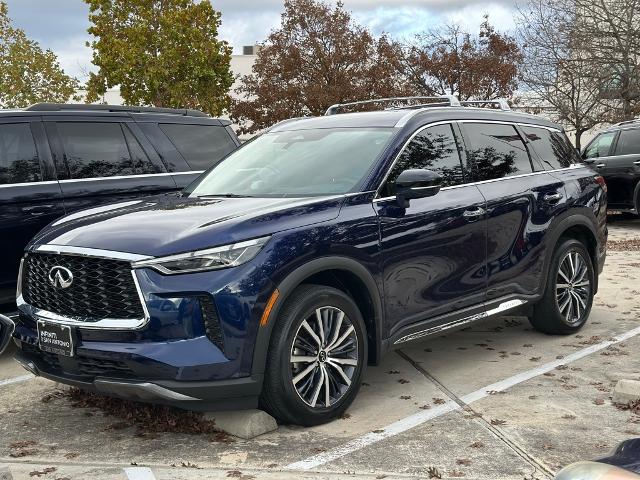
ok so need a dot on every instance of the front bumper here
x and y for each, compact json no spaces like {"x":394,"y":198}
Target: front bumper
{"x":241,"y":393}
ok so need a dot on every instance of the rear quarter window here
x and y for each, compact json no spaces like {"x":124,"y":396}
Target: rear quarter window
{"x":553,"y":148}
{"x":200,"y":145}
{"x":629,"y":142}
{"x":18,"y":156}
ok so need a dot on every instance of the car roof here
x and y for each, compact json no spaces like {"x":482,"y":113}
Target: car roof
{"x":138,"y":113}
{"x":414,"y":117}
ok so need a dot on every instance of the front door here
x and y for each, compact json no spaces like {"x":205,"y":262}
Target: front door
{"x":433,"y":251}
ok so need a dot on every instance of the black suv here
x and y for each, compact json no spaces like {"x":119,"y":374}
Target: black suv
{"x":311,"y":251}
{"x":56,"y":159}
{"x":615,"y":154}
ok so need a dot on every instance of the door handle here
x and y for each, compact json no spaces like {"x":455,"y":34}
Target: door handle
{"x":600,"y":165}
{"x":474,"y":214}
{"x":637,"y":163}
{"x":552,"y":197}
{"x":37,"y":210}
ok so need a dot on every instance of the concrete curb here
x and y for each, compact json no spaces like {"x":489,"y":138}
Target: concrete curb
{"x":626,"y":391}
{"x":246,"y":424}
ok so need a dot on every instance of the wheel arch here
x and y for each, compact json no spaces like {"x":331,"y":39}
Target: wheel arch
{"x":578,"y":227}
{"x":636,"y":196}
{"x":342,"y":273}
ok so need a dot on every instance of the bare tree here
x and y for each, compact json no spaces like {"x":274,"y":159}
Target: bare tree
{"x":609,"y":31}
{"x":557,"y":67}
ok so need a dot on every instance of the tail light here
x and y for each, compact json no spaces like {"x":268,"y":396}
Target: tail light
{"x":601,"y":182}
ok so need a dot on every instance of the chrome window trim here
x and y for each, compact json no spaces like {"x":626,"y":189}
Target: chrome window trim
{"x":123,"y":177}
{"x":86,"y":323}
{"x":443,"y":122}
{"x":572,"y":167}
{"x":25,"y":184}
{"x":90,"y":252}
{"x":91,"y":179}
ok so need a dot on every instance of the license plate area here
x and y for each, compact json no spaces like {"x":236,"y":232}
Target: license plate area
{"x":54,"y":338}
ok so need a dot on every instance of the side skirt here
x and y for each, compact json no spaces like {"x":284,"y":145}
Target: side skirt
{"x":457,"y":319}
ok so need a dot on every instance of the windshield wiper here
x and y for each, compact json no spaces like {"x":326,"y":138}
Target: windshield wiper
{"x":226,"y":195}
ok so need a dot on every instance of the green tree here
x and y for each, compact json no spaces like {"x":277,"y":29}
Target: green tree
{"x":164,"y":53}
{"x":29,"y":74}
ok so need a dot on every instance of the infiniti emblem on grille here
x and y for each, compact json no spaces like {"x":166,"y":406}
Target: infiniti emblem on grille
{"x":60,"y":277}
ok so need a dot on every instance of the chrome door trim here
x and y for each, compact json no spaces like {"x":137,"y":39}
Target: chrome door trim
{"x":503,"y":307}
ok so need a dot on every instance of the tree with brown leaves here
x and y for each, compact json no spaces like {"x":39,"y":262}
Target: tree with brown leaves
{"x":317,"y":57}
{"x":449,"y":60}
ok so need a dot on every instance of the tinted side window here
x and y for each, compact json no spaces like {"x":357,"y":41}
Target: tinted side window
{"x":141,"y":162}
{"x":434,"y":149}
{"x":18,"y":156}
{"x":200,"y":145}
{"x":95,"y":149}
{"x":553,"y":148}
{"x":601,"y":145}
{"x":629,"y":142}
{"x":495,"y":151}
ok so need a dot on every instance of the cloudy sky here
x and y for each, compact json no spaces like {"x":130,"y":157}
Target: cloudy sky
{"x":61,"y":25}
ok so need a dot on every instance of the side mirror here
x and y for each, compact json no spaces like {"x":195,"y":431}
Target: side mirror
{"x":417,"y":183}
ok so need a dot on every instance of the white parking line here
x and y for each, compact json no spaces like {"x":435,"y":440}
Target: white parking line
{"x":139,"y":473}
{"x":423,"y":416}
{"x":19,"y":379}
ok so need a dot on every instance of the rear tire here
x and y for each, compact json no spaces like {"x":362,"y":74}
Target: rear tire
{"x":321,"y":327}
{"x":567,"y":301}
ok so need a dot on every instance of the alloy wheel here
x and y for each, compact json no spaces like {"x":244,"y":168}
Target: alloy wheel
{"x":573,"y":287}
{"x":324,"y":357}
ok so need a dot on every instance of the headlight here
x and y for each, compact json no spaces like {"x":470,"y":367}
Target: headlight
{"x":210,"y":259}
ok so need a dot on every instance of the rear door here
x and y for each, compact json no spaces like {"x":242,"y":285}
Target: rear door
{"x":622,"y":170}
{"x":29,"y":193}
{"x":99,"y":160}
{"x":522,"y":199}
{"x":597,"y":154}
{"x":189,"y":145}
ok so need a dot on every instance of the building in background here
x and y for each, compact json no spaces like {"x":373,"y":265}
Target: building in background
{"x":241,"y":65}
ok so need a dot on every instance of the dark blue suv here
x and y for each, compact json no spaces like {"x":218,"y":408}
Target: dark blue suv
{"x":310,"y":252}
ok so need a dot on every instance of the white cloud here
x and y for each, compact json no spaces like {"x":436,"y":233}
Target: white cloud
{"x":470,"y":17}
{"x":74,"y":57}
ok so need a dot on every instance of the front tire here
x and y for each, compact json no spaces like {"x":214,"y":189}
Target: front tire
{"x":317,"y":355}
{"x":568,"y":298}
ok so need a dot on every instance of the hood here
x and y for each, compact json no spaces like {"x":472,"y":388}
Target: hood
{"x":165,"y":225}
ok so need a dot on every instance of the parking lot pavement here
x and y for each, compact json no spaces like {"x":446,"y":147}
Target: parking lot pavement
{"x":498,"y":400}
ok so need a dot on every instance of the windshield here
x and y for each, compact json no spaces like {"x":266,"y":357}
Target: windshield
{"x":296,"y":164}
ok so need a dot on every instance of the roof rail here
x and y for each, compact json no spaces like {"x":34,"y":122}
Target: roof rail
{"x":452,"y":101}
{"x":501,"y":103}
{"x":58,"y":107}
{"x":627,"y":122}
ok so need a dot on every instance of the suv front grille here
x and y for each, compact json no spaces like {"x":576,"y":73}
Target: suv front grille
{"x":101,"y":288}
